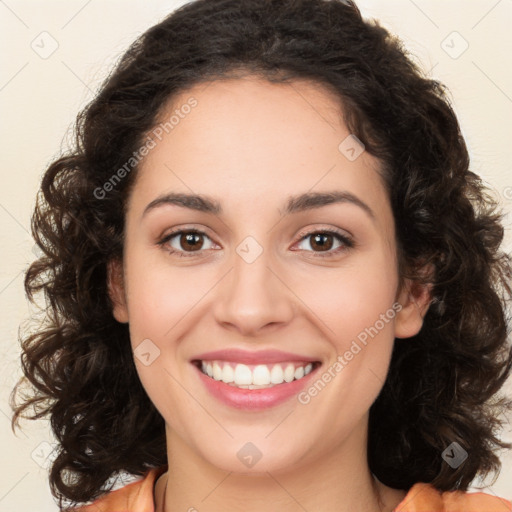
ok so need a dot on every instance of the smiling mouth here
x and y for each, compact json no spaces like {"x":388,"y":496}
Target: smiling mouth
{"x":258,"y":376}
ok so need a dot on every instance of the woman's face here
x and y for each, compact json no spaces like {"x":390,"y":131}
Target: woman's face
{"x":292,"y":275}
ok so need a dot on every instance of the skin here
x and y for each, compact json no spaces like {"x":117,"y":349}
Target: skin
{"x":250,"y":144}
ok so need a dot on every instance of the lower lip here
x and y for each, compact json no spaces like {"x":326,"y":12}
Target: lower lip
{"x":254,"y":399}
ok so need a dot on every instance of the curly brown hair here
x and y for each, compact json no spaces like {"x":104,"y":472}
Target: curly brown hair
{"x":442,"y":385}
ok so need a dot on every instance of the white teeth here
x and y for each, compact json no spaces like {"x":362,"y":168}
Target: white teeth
{"x":243,"y":374}
{"x":217,"y":371}
{"x":277,"y":374}
{"x":261,"y":376}
{"x":228,"y":374}
{"x":299,"y":372}
{"x":252,"y":386}
{"x":289,"y":373}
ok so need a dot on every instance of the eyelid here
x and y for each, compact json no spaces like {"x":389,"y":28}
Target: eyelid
{"x":325,"y":229}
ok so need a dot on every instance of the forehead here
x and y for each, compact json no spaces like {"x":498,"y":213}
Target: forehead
{"x":249,"y":139}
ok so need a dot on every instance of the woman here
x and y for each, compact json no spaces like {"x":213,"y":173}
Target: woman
{"x":273,"y":281}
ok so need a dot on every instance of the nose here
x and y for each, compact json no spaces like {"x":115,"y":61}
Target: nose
{"x":254,"y":297}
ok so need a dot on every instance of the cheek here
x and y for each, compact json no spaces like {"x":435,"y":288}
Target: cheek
{"x":354,"y":309}
{"x":156,"y":304}
{"x":359,"y":315}
{"x":162,"y":302}
{"x":160,"y":296}
{"x":350,"y":299}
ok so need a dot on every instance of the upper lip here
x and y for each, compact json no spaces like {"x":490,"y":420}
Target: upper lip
{"x":246,"y":357}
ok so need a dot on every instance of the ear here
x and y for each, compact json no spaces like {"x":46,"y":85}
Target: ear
{"x":415,"y":299}
{"x":116,"y":290}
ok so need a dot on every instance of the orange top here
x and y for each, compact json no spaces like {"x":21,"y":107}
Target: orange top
{"x":421,"y":497}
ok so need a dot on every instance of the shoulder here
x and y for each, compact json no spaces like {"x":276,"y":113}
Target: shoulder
{"x":134,"y":497}
{"x":423,"y":497}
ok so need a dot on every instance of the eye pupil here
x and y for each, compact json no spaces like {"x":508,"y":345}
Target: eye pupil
{"x":317,"y":240}
{"x":188,"y":239}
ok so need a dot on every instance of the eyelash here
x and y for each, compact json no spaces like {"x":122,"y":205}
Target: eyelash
{"x":347,"y":242}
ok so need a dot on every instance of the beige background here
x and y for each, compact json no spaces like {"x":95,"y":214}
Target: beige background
{"x":40,"y":95}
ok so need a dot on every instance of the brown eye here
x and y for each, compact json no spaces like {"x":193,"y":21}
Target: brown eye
{"x":321,"y":241}
{"x":190,"y":241}
{"x":185,"y":242}
{"x":329,"y":242}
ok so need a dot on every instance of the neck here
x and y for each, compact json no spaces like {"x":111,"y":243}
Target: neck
{"x":340,"y":481}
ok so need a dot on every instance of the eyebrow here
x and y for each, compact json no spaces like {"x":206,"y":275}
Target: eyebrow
{"x":294,"y":204}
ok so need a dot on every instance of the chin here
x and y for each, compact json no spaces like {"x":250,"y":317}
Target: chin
{"x":253,"y":457}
